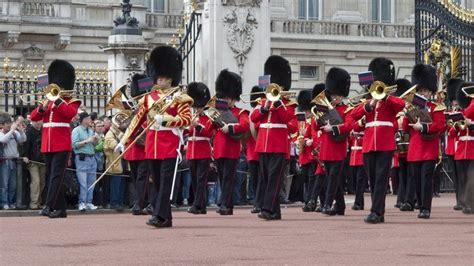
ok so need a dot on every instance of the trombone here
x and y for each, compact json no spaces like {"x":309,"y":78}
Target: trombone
{"x":273,"y":93}
{"x":52,"y":92}
{"x":378,"y":90}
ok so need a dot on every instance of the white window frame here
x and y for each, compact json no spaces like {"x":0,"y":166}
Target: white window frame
{"x":320,"y":10}
{"x":392,"y":12}
{"x":152,"y":6}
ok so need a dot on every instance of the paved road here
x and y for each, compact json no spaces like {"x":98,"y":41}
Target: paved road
{"x":300,"y":238}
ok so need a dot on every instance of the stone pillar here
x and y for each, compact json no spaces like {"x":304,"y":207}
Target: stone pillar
{"x":235,"y":35}
{"x":126,"y":48}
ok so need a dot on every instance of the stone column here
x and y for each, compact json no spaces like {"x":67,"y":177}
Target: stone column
{"x":235,"y":35}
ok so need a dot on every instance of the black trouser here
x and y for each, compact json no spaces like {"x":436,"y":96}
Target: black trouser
{"x":199,"y":172}
{"x":307,"y":171}
{"x":422,"y":172}
{"x":226,"y":169}
{"x":272,"y":168}
{"x":320,"y":188}
{"x":437,"y":178}
{"x":361,"y":181}
{"x":334,"y":188}
{"x":139,"y":173}
{"x":56,"y":163}
{"x":402,"y":179}
{"x":462,"y":166}
{"x":377,"y":167}
{"x":162,"y":171}
{"x":257,"y":183}
{"x":452,"y":167}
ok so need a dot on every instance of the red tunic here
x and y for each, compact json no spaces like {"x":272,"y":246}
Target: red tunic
{"x":252,"y":155}
{"x":275,"y":127}
{"x":357,"y":157}
{"x":224,"y":145}
{"x":465,"y":138}
{"x":332,"y":150}
{"x":381,"y":123}
{"x":306,"y":156}
{"x":451,"y":139}
{"x":56,"y":117}
{"x":135,"y":153}
{"x":469,"y":111}
{"x":199,"y":140}
{"x":421,"y":149}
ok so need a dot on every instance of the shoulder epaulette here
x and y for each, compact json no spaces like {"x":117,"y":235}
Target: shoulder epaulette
{"x":291,"y":102}
{"x":439,"y":107}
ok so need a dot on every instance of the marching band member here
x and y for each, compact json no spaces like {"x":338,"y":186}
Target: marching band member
{"x":379,"y":139}
{"x":167,"y":111}
{"x":320,"y":186}
{"x":304,"y":143}
{"x":226,"y":145}
{"x":199,"y":146}
{"x":334,"y":140}
{"x":465,"y":147}
{"x":423,"y":150}
{"x":56,"y":141}
{"x":356,"y":162}
{"x":452,"y":137}
{"x":402,"y":139}
{"x":277,"y":121}
{"x":139,"y":173}
{"x":255,"y":178}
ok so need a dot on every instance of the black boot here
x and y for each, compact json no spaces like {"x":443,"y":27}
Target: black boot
{"x":58,"y":214}
{"x":156,"y":222}
{"x":424,"y":214}
{"x":45,"y":211}
{"x":196,"y":210}
{"x":374,"y":219}
{"x":255,"y":210}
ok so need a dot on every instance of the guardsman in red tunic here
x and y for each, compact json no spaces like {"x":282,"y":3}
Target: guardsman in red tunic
{"x":334,"y":142}
{"x":275,"y":119}
{"x":227,"y":145}
{"x":402,"y":139}
{"x":255,"y":179}
{"x":167,"y":111}
{"x":56,"y":137}
{"x":423,"y":150}
{"x":139,"y":165}
{"x":379,"y":138}
{"x":198,"y":151}
{"x":465,"y":147}
{"x":304,"y":142}
{"x":356,"y":162}
{"x":452,"y":138}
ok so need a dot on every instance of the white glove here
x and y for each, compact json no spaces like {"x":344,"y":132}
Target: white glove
{"x":120,"y":147}
{"x":225,"y":128}
{"x":309,"y":142}
{"x":159,"y":119}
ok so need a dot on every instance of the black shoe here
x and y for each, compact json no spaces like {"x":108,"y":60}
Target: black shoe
{"x":255,"y":210}
{"x":406,"y":207}
{"x":269,"y":216}
{"x":58,"y":214}
{"x":373,"y":218}
{"x":424,"y":214}
{"x":195,"y":210}
{"x":318,"y":209}
{"x":326,"y":209}
{"x":155,"y":221}
{"x":149,"y":209}
{"x":310,"y":206}
{"x":225,"y":211}
{"x":117,"y":208}
{"x":467,"y":210}
{"x":357,"y":207}
{"x":334,"y":211}
{"x":45,"y":211}
{"x":417,"y":206}
{"x":398,"y":205}
{"x":458,"y":207}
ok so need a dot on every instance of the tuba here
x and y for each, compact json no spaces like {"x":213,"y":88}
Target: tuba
{"x":218,"y":112}
{"x":415,"y":110}
{"x":324,"y":111}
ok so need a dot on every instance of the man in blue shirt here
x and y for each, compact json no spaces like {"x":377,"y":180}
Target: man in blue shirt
{"x":83,"y":141}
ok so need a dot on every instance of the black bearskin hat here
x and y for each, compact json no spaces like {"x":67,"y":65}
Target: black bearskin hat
{"x":200,"y":94}
{"x":425,"y":77}
{"x":463,"y":100}
{"x":318,"y":88}
{"x":134,"y":89}
{"x":165,"y":61}
{"x":402,"y":86}
{"x":304,"y":100}
{"x":228,"y":85}
{"x":279,"y":70}
{"x":451,"y":88}
{"x":338,"y":82}
{"x":62,"y":73}
{"x":255,"y":95}
{"x":383,"y":70}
